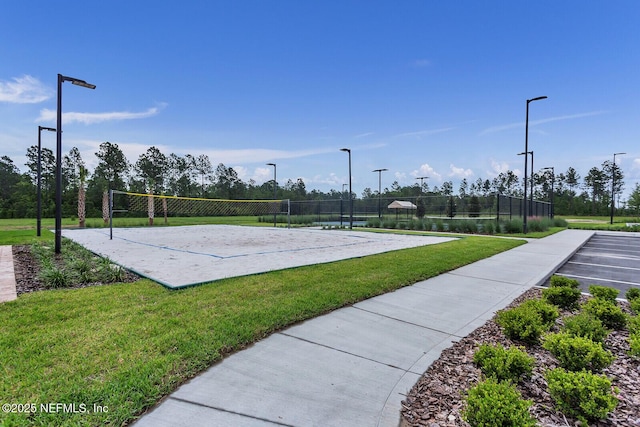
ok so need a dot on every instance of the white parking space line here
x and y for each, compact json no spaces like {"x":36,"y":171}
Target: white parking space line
{"x":601,"y":255}
{"x":598,"y":279}
{"x":603,"y":265}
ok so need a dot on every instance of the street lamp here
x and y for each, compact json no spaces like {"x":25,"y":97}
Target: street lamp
{"x":341,"y":199}
{"x":275,"y":191}
{"x":553,"y":180}
{"x":77,"y":82}
{"x":613,"y":180}
{"x":531,"y":191}
{"x":526,"y":149}
{"x":422,"y":178}
{"x":380,"y":190}
{"x":39,"y":180}
{"x":350,"y":191}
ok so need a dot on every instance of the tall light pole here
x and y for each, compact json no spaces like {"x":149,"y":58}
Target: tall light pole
{"x":77,"y":82}
{"x":380,"y":190}
{"x":526,"y":149}
{"x":553,"y":180}
{"x":39,"y":180}
{"x":613,"y":180}
{"x":341,"y":199}
{"x":275,"y":191}
{"x":422,"y":178}
{"x":350,"y":191}
{"x":531,"y":191}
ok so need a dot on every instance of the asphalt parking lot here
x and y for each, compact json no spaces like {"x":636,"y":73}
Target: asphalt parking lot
{"x":607,"y":259}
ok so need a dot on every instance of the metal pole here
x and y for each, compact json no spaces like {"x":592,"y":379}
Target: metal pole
{"x":380,"y":191}
{"x":58,"y":237}
{"x":350,"y":190}
{"x":39,"y":180}
{"x":613,"y":180}
{"x":531,"y":203}
{"x":77,"y":82}
{"x":275,"y":191}
{"x":526,"y":149}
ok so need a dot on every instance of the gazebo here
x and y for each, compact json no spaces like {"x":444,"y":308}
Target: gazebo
{"x":401,"y":204}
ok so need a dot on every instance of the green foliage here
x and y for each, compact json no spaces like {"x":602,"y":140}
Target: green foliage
{"x":547,"y":311}
{"x":513,"y":227}
{"x":633,"y":323}
{"x":583,"y":395}
{"x":632,"y":294}
{"x":585,"y":325}
{"x":563,"y":297}
{"x":635,"y":305}
{"x":491,"y":403}
{"x":604,"y":293}
{"x":609,"y":314}
{"x":55,"y":277}
{"x":577,"y":353}
{"x":560,"y":222}
{"x":561,"y":281}
{"x":503,"y":364}
{"x":488,"y":227}
{"x":474,"y":207}
{"x":528,"y":321}
{"x":634,"y":344}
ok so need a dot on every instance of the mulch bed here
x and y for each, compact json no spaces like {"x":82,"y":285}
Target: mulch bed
{"x":436,"y":400}
{"x":27,"y":269}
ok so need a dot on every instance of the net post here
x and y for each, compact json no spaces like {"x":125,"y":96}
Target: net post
{"x":110,"y":214}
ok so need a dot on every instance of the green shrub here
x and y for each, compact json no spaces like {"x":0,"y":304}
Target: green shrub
{"x":488,"y":227}
{"x":513,"y":227}
{"x":604,"y":293}
{"x":585,"y":325}
{"x":503,"y":364}
{"x":609,"y":314}
{"x":633,"y":323}
{"x":559,"y":222}
{"x":528,"y":321}
{"x":561,"y":281}
{"x":635,"y":305}
{"x":548,"y":312}
{"x":634,"y":344}
{"x":374,"y":223}
{"x":583,"y":395}
{"x":563,"y":297}
{"x":632,"y":294}
{"x":492,"y":403}
{"x":577,"y":353}
{"x":440,"y":225}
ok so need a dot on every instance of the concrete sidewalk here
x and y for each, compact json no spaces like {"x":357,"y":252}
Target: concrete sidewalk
{"x":7,"y":275}
{"x":353,"y":367}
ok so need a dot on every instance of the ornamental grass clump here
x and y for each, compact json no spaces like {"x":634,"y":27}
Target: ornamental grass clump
{"x":577,"y":353}
{"x":494,"y":403}
{"x":503,"y":364}
{"x":583,"y":395}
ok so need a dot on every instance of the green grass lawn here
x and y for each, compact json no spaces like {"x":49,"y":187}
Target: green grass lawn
{"x":125,"y":346}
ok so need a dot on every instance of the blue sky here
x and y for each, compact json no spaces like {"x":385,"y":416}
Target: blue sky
{"x":422,"y":88}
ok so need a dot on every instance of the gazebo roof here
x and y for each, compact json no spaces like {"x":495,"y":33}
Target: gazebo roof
{"x":401,"y":204}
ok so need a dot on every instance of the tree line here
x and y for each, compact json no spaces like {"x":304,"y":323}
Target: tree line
{"x":195,"y":176}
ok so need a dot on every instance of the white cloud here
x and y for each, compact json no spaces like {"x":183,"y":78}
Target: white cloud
{"x":426,"y":170}
{"x":47,"y":115}
{"x":501,"y":128}
{"x":636,"y":164}
{"x":460,"y":172}
{"x":24,"y":90}
{"x":362,"y":135}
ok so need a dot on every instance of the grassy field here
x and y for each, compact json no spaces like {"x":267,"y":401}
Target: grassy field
{"x":125,"y":346}
{"x":602,"y":223}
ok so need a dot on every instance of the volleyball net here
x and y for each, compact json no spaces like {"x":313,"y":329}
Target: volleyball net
{"x":158,"y":209}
